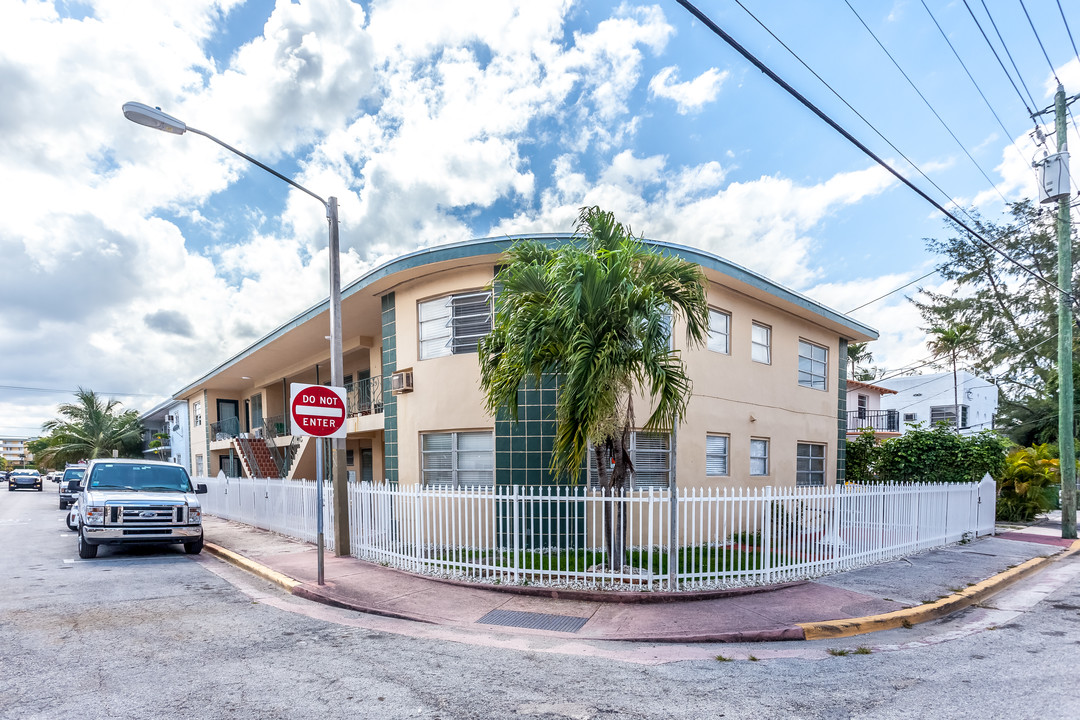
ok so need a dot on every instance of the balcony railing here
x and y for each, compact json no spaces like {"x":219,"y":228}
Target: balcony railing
{"x":365,"y":396}
{"x":876,"y":420}
{"x":225,"y":429}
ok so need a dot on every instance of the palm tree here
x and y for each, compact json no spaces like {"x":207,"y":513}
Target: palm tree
{"x":597,"y":312}
{"x":952,"y":341}
{"x":857,"y":353}
{"x":91,"y":427}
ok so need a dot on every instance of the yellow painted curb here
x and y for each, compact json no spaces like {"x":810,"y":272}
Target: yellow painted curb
{"x":930,"y":611}
{"x":251,"y":566}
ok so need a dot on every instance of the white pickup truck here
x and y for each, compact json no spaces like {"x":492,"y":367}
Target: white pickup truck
{"x":138,"y":502}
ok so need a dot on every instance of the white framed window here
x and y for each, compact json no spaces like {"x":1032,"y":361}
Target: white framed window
{"x":761,"y":343}
{"x":453,"y":324}
{"x":716,"y":455}
{"x":947,"y":413}
{"x":864,"y":405}
{"x":911,"y":417}
{"x":196,"y":411}
{"x":719,"y":332}
{"x":810,"y":464}
{"x":458,"y":459}
{"x":759,"y":456}
{"x":813,"y":365}
{"x":199,"y":465}
{"x":650,"y":454}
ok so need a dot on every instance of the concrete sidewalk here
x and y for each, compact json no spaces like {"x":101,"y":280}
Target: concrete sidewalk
{"x":912,"y":590}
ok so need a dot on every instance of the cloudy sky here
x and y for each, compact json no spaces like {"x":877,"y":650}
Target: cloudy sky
{"x":134,"y":261}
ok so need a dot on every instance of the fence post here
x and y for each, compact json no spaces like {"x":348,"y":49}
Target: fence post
{"x":673,"y":539}
{"x":766,"y":534}
{"x":515,"y":534}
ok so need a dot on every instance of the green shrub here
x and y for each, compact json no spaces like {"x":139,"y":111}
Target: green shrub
{"x":1022,"y":485}
{"x":938,"y":454}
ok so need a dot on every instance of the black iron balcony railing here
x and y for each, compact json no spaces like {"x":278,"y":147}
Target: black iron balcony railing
{"x":365,"y":396}
{"x":876,"y":420}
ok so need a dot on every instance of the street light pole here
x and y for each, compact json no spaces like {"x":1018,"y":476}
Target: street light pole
{"x":156,"y":119}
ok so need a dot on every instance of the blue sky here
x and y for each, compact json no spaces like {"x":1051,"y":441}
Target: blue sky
{"x":135,"y":260}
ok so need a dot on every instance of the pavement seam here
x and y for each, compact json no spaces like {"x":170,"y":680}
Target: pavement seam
{"x":931,"y":611}
{"x":284,"y":581}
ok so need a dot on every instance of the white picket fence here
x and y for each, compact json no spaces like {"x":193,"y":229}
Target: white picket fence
{"x":687,"y":539}
{"x":286,"y":507}
{"x":716,"y":538}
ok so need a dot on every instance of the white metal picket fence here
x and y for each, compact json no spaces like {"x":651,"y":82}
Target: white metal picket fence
{"x":708,"y":538}
{"x":556,"y":535}
{"x":287,"y":507}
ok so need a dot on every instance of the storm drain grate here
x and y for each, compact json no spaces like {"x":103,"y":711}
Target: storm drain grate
{"x":534,"y":621}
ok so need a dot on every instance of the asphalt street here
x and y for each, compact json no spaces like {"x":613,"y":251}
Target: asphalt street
{"x":139,"y":633}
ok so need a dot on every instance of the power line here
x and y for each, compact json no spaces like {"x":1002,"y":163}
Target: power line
{"x":871,"y":302}
{"x":998,"y":58}
{"x":1039,"y":40}
{"x":708,"y":22}
{"x":1008,"y":54}
{"x":1008,"y":135}
{"x":925,"y":101}
{"x":72,"y":392}
{"x":857,"y":113}
{"x":1067,"y":30}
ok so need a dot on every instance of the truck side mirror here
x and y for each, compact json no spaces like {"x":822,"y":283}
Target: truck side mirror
{"x":200,"y":489}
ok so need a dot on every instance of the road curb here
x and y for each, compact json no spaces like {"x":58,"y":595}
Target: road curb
{"x":934,"y":610}
{"x":284,"y":581}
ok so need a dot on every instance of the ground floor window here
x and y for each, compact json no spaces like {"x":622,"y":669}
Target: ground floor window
{"x":199,"y":465}
{"x":810,"y":464}
{"x":716,"y":454}
{"x":759,"y":456}
{"x":458,"y":459}
{"x":650,"y":454}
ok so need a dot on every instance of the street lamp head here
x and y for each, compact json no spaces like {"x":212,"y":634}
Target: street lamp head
{"x":153,"y":117}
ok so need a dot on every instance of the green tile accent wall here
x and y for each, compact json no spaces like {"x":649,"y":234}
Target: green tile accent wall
{"x":389,"y":365}
{"x":523,"y":451}
{"x":522,"y":457}
{"x":841,"y":412}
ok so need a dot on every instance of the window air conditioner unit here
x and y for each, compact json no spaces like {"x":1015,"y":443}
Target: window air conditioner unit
{"x":401,"y":382}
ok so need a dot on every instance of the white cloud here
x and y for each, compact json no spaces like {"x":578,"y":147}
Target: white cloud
{"x":689,"y":96}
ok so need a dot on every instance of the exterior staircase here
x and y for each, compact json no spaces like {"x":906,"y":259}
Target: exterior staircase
{"x":257,"y":457}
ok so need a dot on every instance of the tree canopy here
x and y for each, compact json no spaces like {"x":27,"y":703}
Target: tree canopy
{"x":91,"y":427}
{"x":1012,"y":314}
{"x":598,"y":312}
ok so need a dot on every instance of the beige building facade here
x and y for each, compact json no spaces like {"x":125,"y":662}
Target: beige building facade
{"x":769,"y":403}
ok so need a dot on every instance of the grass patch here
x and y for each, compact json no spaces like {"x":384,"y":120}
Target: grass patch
{"x":752,"y":658}
{"x":721,"y":658}
{"x":906,"y":624}
{"x":863,"y":650}
{"x":839,"y":652}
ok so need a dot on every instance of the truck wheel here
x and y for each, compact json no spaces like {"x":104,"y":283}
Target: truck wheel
{"x":193,"y":548}
{"x":86,"y":550}
{"x":63,"y":505}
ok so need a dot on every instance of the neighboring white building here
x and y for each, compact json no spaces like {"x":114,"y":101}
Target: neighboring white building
{"x":169,"y":418}
{"x":929,"y":398}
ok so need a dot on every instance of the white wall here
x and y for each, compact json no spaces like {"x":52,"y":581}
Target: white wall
{"x":917,"y":394}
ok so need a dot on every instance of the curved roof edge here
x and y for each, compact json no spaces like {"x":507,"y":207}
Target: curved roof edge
{"x":497,"y":245}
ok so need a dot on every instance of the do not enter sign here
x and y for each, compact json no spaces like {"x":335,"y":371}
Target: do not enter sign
{"x":318,"y":410}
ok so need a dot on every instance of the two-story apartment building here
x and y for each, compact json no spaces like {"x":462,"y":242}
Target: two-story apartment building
{"x":768,"y":404}
{"x":929,"y":399}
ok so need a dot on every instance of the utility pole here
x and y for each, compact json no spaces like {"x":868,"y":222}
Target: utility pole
{"x":1059,"y":188}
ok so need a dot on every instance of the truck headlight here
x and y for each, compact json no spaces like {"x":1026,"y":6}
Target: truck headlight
{"x":95,"y":514}
{"x":194,"y":516}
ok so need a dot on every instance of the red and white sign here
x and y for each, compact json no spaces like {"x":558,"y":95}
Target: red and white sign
{"x":318,"y":410}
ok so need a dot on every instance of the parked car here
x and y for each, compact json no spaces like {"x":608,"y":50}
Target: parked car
{"x":73,"y":516}
{"x":55,"y":475}
{"x":25,"y":479}
{"x":69,"y":484}
{"x":138,"y":502}
{"x":3,"y":476}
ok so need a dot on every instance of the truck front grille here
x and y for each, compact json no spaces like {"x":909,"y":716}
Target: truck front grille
{"x":145,"y":515}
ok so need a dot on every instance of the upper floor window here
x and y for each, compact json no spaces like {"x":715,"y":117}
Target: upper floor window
{"x":719,"y":331}
{"x":947,"y":414}
{"x":810,"y":464}
{"x":813,"y":365}
{"x":761,"y":343}
{"x":454,"y":324}
{"x":196,"y":411}
{"x":864,"y":405}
